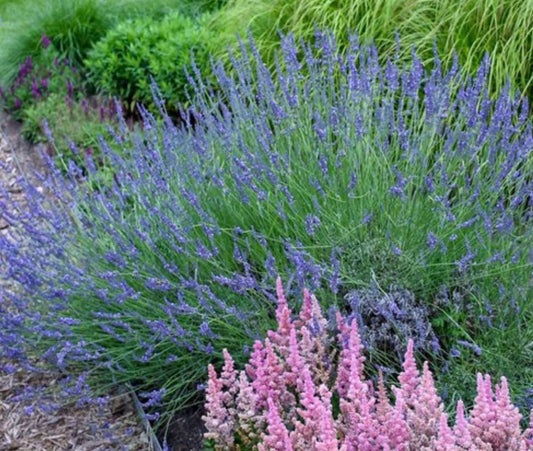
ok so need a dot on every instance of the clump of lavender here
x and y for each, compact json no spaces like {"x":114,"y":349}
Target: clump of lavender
{"x":144,"y":281}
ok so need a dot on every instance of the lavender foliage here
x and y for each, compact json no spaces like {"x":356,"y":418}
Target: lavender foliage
{"x":145,"y":280}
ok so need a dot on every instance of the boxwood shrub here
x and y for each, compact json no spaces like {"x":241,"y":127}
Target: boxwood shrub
{"x":125,"y":61}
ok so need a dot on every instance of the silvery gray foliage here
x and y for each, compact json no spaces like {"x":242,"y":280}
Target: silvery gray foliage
{"x":387,"y":319}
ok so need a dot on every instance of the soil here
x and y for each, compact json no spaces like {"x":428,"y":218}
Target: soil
{"x":185,"y":431}
{"x":24,"y":427}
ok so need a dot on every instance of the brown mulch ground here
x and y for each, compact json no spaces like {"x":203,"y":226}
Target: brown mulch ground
{"x":23,"y":427}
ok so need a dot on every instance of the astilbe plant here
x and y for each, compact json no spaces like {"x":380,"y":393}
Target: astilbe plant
{"x":282,"y":400}
{"x":140,"y":281}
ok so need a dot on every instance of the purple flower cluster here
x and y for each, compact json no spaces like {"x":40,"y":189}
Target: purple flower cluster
{"x":37,"y":79}
{"x":270,"y":174}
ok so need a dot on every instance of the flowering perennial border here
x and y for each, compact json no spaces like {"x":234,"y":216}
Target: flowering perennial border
{"x":286,"y":397}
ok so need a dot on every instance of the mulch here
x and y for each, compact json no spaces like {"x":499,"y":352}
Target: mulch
{"x":86,"y":428}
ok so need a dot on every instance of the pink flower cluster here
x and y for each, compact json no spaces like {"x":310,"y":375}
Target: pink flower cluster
{"x":282,"y":401}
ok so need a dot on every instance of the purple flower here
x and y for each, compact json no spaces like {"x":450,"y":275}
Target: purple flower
{"x":432,"y":240}
{"x":29,"y":64}
{"x":473,"y":346}
{"x":35,"y":90}
{"x":312,"y":222}
{"x":70,"y":88}
{"x":45,"y":41}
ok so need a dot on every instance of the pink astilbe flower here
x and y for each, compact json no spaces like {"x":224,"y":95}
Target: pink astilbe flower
{"x":256,"y":360}
{"x":483,"y":414}
{"x":314,"y":351}
{"x":359,"y":423}
{"x":494,"y":421}
{"x":269,"y":380}
{"x":276,"y":437}
{"x":308,"y":425}
{"x":327,"y":438}
{"x":508,"y":418}
{"x":229,"y":373}
{"x":394,"y":432}
{"x":424,"y":415}
{"x":351,"y":349}
{"x":445,"y":438}
{"x":311,"y":314}
{"x":383,"y":405}
{"x":306,"y":312}
{"x":314,"y":343}
{"x":218,"y":420}
{"x":283,"y":399}
{"x":396,"y":427}
{"x":316,"y":427}
{"x":249,"y":419}
{"x":461,"y":429}
{"x":410,"y":376}
{"x":295,"y":374}
{"x":282,"y":300}
{"x":283,"y":316}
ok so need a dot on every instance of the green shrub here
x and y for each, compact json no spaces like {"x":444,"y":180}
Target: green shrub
{"x":73,"y":25}
{"x":123,"y":63}
{"x":471,"y":28}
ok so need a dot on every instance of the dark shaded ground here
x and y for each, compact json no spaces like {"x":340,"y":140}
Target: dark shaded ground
{"x":185,"y":431}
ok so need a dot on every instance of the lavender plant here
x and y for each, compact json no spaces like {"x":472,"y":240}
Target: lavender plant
{"x":144,"y":282}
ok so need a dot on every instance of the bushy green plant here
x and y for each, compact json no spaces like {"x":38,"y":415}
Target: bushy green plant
{"x":73,"y":25}
{"x":469,"y":28}
{"x":129,"y":57}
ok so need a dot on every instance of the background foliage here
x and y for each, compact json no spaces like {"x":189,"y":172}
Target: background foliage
{"x":129,"y":57}
{"x":469,"y":28}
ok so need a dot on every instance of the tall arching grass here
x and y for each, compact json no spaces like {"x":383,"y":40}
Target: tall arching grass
{"x":471,"y":28}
